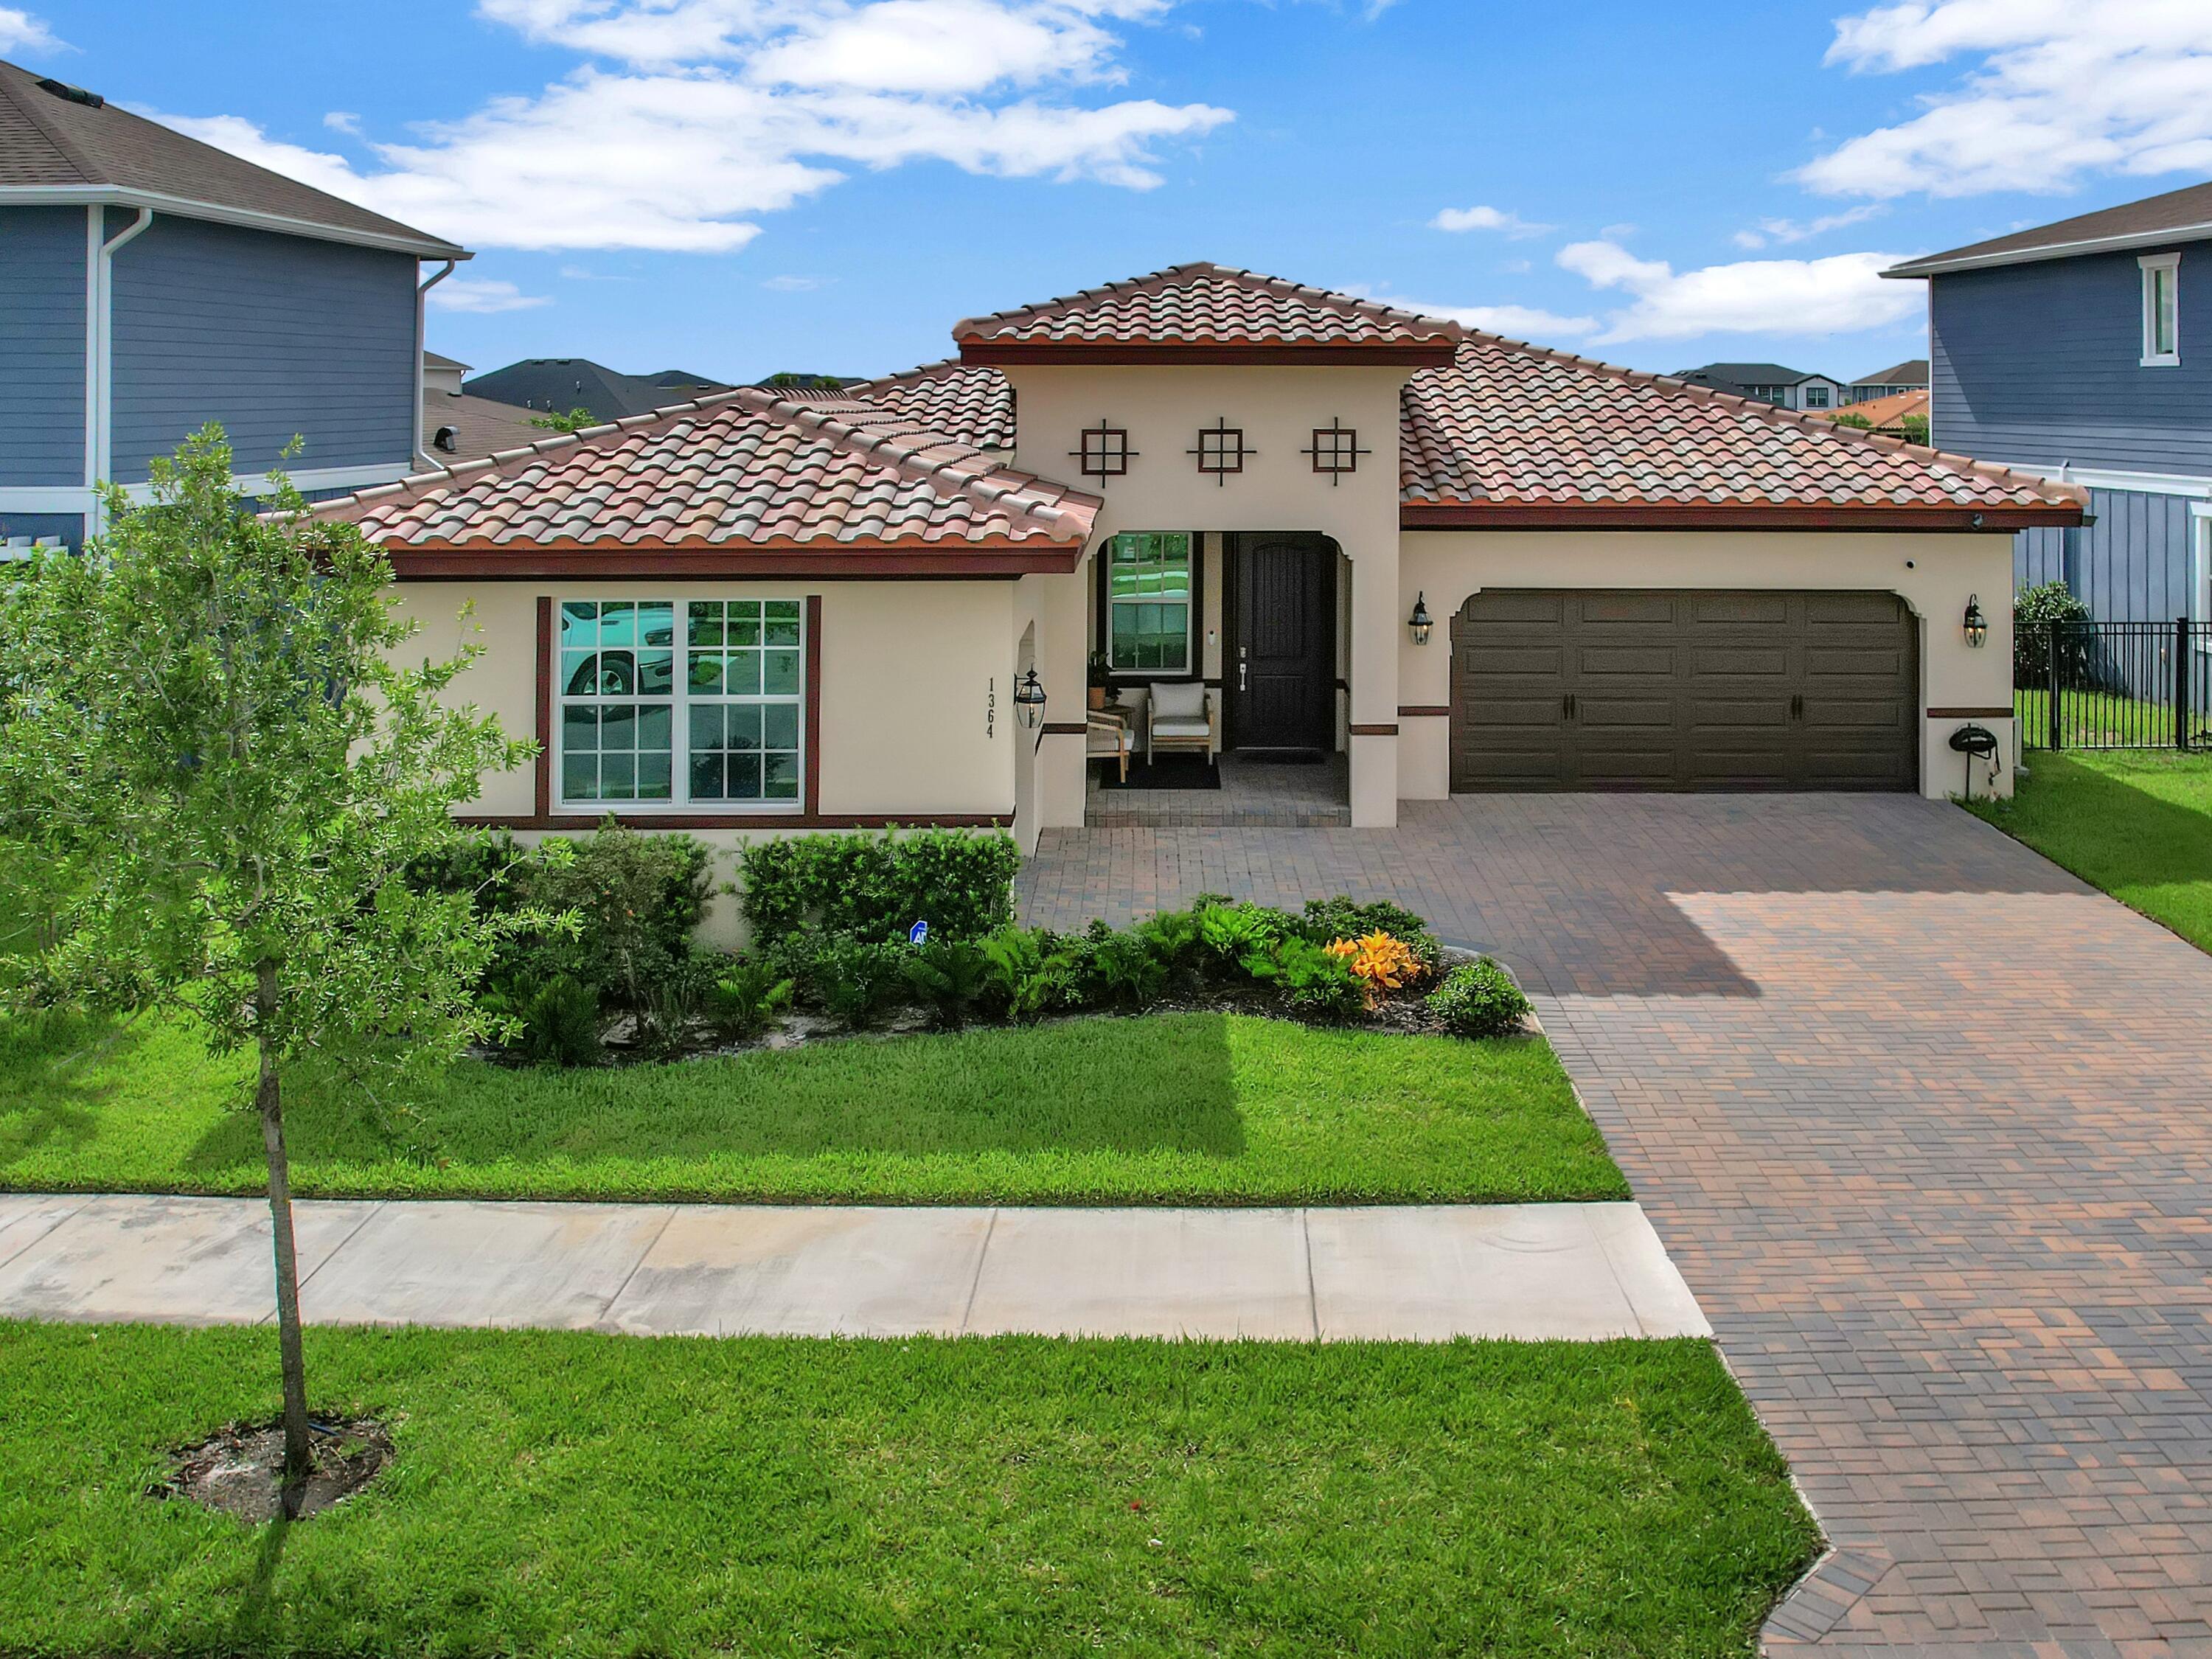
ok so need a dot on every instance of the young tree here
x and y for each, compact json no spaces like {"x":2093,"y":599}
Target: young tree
{"x":206,"y":718}
{"x":575,"y":419}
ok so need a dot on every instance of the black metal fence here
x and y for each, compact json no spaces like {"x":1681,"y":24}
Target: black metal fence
{"x":2113,"y":684}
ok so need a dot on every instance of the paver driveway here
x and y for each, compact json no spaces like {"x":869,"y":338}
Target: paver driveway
{"x":1927,"y":1125}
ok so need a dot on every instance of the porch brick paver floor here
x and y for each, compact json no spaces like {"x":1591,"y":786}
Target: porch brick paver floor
{"x":1926,"y":1124}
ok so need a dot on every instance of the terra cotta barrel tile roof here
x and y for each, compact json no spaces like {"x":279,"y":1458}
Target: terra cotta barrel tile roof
{"x":1509,"y":423}
{"x":1207,"y":305}
{"x":741,"y":469}
{"x":967,"y":401}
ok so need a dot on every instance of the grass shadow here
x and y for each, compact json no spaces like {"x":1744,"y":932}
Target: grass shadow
{"x":57,"y":1072}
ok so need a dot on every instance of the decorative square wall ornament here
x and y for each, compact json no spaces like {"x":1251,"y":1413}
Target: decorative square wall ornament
{"x":1221,"y":450}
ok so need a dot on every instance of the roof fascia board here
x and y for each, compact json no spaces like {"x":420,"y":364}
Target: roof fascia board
{"x":186,"y":208}
{"x":1915,"y":269}
{"x":1656,"y":516}
{"x":418,"y":563}
{"x":1010,"y":354}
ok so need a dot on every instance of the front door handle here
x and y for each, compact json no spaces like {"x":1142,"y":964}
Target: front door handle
{"x":1240,"y":676}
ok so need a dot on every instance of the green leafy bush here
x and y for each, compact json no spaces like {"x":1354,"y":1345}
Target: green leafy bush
{"x":1243,"y":935}
{"x":746,"y":997}
{"x":1316,"y":983}
{"x":560,"y":1024}
{"x":1022,"y":978}
{"x":856,"y":981}
{"x":948,"y":977}
{"x":1479,"y":999}
{"x":878,"y":886}
{"x":2033,"y":609}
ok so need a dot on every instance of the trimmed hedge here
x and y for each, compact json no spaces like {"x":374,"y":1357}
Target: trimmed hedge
{"x":875,"y":887}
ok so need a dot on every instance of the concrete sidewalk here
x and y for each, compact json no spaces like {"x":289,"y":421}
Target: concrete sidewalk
{"x":1532,"y":1271}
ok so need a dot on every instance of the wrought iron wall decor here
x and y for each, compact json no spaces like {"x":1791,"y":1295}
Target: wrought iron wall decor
{"x":1336,"y":449}
{"x":1221,"y":450}
{"x":1105,"y":453}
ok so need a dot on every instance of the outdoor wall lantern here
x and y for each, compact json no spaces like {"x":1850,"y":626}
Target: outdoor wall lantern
{"x":1977,"y":625}
{"x":1420,"y":622}
{"x":1029,"y":699}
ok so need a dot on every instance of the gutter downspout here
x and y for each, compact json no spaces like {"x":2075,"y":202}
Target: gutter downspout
{"x":100,"y":462}
{"x":420,"y":461}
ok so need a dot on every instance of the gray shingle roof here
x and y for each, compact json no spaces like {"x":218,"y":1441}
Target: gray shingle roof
{"x":79,"y":151}
{"x":2179,"y":215}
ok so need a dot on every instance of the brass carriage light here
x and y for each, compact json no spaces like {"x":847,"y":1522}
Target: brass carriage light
{"x":1420,"y":622}
{"x":1977,"y":625}
{"x":1029,"y":699}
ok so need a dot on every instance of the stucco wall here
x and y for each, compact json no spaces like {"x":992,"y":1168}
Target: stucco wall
{"x":1934,"y":573}
{"x":1163,"y":408}
{"x":907,"y":671}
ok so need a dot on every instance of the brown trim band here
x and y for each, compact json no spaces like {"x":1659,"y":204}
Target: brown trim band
{"x":1390,"y":731}
{"x":1726,"y":515}
{"x":585,"y":821}
{"x":446,"y":564}
{"x":1066,"y":728}
{"x":1416,"y":354}
{"x":544,"y":704}
{"x":1439,"y":710}
{"x":1971,"y":714}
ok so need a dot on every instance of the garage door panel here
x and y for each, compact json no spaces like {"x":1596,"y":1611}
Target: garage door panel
{"x":1685,"y":690}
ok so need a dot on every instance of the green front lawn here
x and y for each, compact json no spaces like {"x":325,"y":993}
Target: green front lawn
{"x":2138,"y":825}
{"x":587,"y":1495}
{"x":1172,"y":1108}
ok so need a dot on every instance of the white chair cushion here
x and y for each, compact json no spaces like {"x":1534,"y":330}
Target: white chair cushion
{"x":1178,"y":700}
{"x":1181,"y":729}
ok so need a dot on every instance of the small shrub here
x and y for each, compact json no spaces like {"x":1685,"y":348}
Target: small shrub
{"x":858,"y":982}
{"x":1175,"y":939}
{"x":1127,"y":970}
{"x":560,"y":1024}
{"x":1378,"y":961}
{"x":1244,"y":937}
{"x":1326,"y":920}
{"x":1022,"y":977}
{"x":1316,"y":983}
{"x":746,"y":999}
{"x":875,"y":886}
{"x":1479,"y":999}
{"x":2033,"y":609}
{"x":948,"y":975}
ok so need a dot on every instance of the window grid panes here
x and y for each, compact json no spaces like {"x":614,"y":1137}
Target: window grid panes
{"x":1148,"y":603}
{"x":712,"y":720}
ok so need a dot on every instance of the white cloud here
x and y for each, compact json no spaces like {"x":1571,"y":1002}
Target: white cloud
{"x":1792,"y":230}
{"x":20,"y":31}
{"x":1486,"y":218}
{"x":482,"y":295}
{"x":795,"y":284}
{"x":1838,"y":295}
{"x":2063,"y":88}
{"x":722,"y":109}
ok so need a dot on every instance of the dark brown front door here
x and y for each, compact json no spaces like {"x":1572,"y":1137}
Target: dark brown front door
{"x":1656,"y":689}
{"x":1281,"y":664}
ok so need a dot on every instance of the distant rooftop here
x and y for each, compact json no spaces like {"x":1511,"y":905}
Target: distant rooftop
{"x":65,"y":145}
{"x":557,"y":385}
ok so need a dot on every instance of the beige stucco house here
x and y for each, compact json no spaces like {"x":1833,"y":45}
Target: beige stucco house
{"x":759,"y":613}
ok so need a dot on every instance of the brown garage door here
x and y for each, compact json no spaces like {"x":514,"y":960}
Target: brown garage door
{"x":1660,"y":689}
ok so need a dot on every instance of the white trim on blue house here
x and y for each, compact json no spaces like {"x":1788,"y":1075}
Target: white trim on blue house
{"x":2148,"y":484}
{"x":99,"y":196}
{"x":70,"y":498}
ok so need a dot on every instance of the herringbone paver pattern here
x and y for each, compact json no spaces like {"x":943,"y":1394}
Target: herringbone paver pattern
{"x":1927,"y":1125}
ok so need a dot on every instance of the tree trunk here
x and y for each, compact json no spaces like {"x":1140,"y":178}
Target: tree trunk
{"x":268,"y":1102}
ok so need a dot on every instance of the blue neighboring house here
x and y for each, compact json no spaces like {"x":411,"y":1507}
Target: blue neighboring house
{"x":2083,"y":351}
{"x":150,"y":282}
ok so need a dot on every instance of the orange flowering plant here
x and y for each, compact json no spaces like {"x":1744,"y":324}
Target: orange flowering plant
{"x":1381,"y":962}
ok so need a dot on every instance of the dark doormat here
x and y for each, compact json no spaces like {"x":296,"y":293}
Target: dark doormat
{"x":1168,"y":772}
{"x":1280,"y":757}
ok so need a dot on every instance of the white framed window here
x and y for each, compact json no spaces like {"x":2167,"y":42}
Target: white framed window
{"x":1816,"y":397}
{"x":710,"y":716}
{"x":2162,"y":310}
{"x":1148,"y":609}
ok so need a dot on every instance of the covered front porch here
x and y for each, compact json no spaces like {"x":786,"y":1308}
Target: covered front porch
{"x":1255,"y":790}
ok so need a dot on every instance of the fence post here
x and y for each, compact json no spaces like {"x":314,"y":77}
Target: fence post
{"x":2181,"y":682}
{"x":2050,"y":673}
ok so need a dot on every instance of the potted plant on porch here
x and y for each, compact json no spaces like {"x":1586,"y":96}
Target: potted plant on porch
{"x":1102,"y":680}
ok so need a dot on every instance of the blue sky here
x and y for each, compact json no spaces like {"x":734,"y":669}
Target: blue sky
{"x":740,"y":186}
